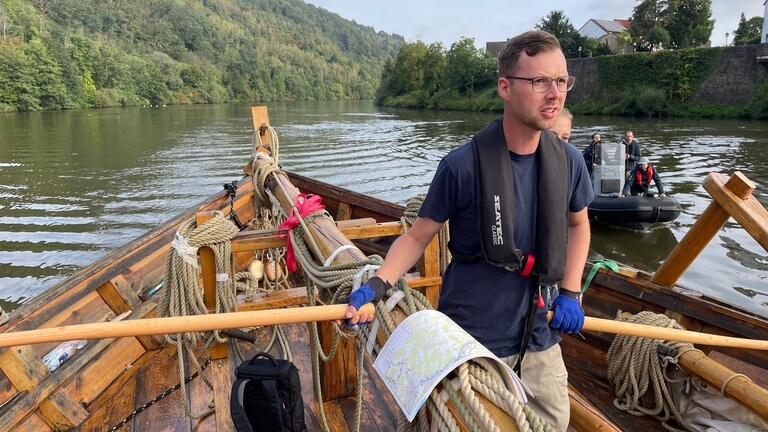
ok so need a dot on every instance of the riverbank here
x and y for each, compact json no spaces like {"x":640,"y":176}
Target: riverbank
{"x":716,"y":82}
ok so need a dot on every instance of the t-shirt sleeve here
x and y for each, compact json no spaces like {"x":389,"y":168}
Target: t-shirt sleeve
{"x":441,"y":197}
{"x":580,"y":184}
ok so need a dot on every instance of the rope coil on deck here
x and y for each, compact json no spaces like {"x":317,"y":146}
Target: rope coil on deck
{"x":641,"y":376}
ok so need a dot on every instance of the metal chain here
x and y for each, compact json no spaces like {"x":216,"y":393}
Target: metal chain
{"x":159,"y":397}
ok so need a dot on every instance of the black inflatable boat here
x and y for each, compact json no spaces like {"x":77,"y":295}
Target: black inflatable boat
{"x":634,"y":211}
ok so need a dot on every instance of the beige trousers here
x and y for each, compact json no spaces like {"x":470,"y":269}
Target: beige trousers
{"x":544,"y":372}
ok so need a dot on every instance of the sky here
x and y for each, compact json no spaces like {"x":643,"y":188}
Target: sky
{"x":496,"y":20}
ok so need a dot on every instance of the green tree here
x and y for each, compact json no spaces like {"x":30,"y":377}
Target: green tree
{"x":687,"y":23}
{"x":657,"y":37}
{"x":468,"y":68}
{"x":645,"y":16}
{"x":686,"y":20}
{"x":560,"y":26}
{"x":749,"y":31}
{"x":48,"y":89}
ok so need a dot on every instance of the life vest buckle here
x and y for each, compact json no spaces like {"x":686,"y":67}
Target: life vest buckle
{"x":525,"y":268}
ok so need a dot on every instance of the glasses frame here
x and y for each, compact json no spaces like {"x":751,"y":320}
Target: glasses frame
{"x":551,"y":80}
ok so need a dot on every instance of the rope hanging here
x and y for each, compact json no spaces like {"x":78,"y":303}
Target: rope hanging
{"x":479,"y":376}
{"x":637,"y":367}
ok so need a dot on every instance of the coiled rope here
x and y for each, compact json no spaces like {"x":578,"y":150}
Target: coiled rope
{"x":639,"y":372}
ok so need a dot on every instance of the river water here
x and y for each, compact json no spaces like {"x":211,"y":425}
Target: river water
{"x":76,"y":184}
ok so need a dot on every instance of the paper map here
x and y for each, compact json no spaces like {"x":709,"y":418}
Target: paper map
{"x":421,"y":351}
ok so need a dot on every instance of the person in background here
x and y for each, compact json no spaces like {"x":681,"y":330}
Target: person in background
{"x":639,"y":182}
{"x":563,"y":125}
{"x":631,"y":151}
{"x":484,"y":188}
{"x":593,"y":152}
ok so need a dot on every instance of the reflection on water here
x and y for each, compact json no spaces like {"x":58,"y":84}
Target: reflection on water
{"x":646,"y":249}
{"x":77,"y":184}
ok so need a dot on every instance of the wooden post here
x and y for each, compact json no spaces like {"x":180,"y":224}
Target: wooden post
{"x":730,"y":195}
{"x":208,"y":270}
{"x":428,"y":267}
{"x":338,"y":376}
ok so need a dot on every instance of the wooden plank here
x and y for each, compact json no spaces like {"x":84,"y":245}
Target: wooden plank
{"x":118,"y":295}
{"x":89,"y":309}
{"x":40,"y":392}
{"x":249,"y":241}
{"x":344,"y":212}
{"x":155,"y":377}
{"x":117,"y":407}
{"x":335,"y":374}
{"x":279,"y":298}
{"x":221,"y":378}
{"x":33,"y":423}
{"x":336,"y":419}
{"x":365,"y":206}
{"x":23,"y":367}
{"x":95,"y":377}
{"x":585,"y":417}
{"x":62,"y":412}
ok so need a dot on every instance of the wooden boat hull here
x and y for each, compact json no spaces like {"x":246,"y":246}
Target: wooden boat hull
{"x":633,"y":211}
{"x":106,"y":381}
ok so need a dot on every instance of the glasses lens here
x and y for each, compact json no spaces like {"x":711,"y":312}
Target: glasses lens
{"x":569,"y":82}
{"x":543,"y":84}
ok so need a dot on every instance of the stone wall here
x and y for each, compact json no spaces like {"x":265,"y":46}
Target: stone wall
{"x":734,"y":81}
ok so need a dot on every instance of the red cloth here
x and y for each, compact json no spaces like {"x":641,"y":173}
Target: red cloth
{"x":306,"y":204}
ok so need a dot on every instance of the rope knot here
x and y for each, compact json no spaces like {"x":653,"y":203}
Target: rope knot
{"x":305,"y":205}
{"x":186,"y":252}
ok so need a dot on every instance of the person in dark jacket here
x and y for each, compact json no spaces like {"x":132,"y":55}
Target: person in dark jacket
{"x":640,"y":177}
{"x":631,"y":151}
{"x":592,"y":153}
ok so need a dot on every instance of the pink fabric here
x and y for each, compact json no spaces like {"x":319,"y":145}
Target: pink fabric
{"x":306,"y":204}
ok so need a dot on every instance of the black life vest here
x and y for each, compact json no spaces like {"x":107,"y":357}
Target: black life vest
{"x":496,"y":203}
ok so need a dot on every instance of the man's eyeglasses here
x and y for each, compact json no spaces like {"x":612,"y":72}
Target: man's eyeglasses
{"x":542,"y":84}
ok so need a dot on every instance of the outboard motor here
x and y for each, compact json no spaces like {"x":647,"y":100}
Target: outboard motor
{"x":608,"y":178}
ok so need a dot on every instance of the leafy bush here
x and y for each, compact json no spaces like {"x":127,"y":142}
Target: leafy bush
{"x":651,"y":102}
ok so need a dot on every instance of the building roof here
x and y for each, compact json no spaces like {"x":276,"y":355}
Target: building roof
{"x":610,"y":26}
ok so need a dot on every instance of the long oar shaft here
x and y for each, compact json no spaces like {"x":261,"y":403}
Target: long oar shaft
{"x":672,"y":334}
{"x":157,"y":326}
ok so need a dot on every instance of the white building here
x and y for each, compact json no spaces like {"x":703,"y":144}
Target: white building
{"x":764,"y":34}
{"x":607,"y":32}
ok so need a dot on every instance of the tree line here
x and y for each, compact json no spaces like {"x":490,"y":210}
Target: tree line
{"x":464,"y":77}
{"x":57,"y":54}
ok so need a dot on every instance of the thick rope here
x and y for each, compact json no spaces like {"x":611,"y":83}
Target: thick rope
{"x":184,"y":296}
{"x":638,"y":372}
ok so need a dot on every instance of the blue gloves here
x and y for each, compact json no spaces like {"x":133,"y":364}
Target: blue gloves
{"x":361,"y":296}
{"x":569,"y":316}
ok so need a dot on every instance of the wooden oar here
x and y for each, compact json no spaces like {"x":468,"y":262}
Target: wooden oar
{"x":156,"y":326}
{"x":672,"y":334}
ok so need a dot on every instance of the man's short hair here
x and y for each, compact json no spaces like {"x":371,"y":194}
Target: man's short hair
{"x":566,"y":112}
{"x":531,"y":42}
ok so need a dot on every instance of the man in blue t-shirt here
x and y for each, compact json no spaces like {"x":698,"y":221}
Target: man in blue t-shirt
{"x":490,"y":302}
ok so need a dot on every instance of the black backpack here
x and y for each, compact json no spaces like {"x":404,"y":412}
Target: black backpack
{"x":266,"y":396}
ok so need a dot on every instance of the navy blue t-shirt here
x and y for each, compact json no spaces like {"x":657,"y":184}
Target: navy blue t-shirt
{"x":490,"y":303}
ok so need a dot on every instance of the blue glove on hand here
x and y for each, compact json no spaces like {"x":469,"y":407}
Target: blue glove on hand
{"x":569,"y":316}
{"x":361,"y":296}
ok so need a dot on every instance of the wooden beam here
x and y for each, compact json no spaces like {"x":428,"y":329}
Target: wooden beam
{"x":249,"y":241}
{"x":208,"y":270}
{"x":733,"y":193}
